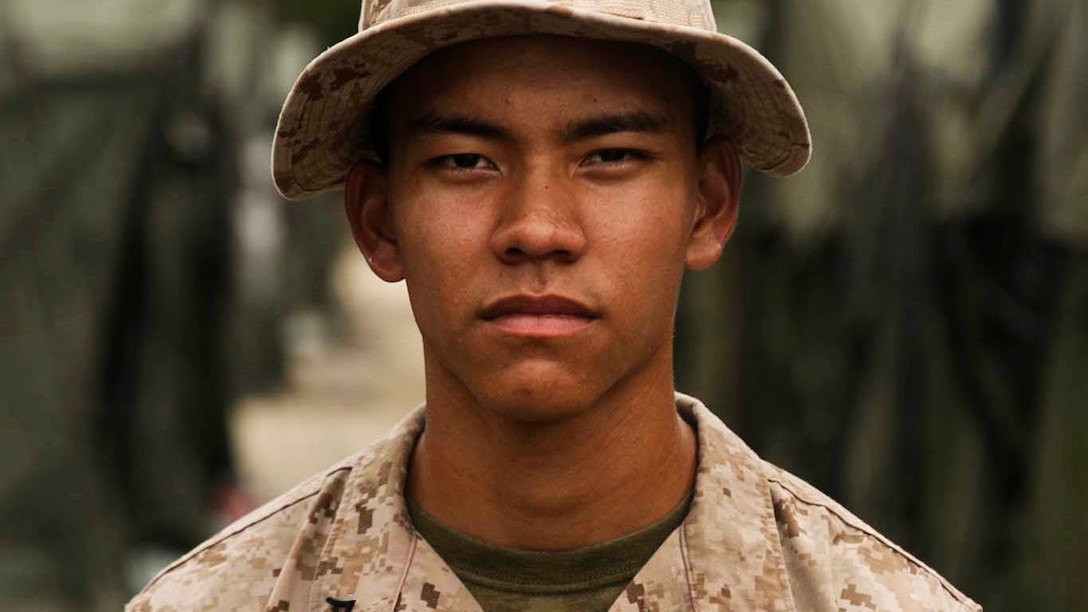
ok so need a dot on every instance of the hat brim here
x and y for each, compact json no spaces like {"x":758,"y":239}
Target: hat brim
{"x":322,"y":130}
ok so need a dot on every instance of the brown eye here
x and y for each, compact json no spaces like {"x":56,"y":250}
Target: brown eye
{"x":614,"y":156}
{"x":466,"y":160}
{"x":463,"y":161}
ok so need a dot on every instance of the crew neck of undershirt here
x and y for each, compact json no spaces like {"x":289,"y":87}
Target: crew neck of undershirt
{"x":546,"y":572}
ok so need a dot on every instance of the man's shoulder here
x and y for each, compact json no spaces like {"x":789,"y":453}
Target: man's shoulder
{"x":832,"y":552}
{"x":277,"y":549}
{"x":236,"y":568}
{"x":799,"y":544}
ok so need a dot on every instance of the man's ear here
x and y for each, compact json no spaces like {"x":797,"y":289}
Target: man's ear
{"x":717,"y":202}
{"x":366,"y":201}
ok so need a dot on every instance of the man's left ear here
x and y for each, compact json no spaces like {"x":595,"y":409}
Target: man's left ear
{"x":717,"y":202}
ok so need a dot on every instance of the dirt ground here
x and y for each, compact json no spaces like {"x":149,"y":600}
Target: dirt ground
{"x":341,"y":393}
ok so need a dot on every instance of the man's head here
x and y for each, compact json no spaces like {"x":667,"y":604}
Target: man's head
{"x":544,"y":181}
{"x":542,"y":198}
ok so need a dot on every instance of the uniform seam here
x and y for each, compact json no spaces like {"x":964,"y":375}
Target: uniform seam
{"x":852,"y":522}
{"x":412,"y":545}
{"x":685,"y":558}
{"x":226,"y":535}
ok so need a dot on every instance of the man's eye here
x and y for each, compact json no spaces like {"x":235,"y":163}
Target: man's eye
{"x":614,"y":156}
{"x":463,"y":161}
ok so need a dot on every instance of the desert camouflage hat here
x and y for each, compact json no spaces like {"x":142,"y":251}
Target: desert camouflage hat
{"x":323,"y":130}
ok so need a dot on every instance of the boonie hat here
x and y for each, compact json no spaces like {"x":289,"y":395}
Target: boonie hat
{"x":323,"y":129}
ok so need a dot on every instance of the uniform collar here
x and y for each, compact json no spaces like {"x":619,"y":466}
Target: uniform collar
{"x":730,"y":537}
{"x":726,"y":555}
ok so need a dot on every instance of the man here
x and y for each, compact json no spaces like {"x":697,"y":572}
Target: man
{"x":541,"y":176}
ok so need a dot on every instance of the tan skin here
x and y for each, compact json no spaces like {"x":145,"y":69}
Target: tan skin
{"x":542,"y":199}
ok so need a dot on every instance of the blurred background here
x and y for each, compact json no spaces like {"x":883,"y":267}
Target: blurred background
{"x":905,"y":324}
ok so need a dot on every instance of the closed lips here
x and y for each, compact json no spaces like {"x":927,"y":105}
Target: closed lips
{"x":539,"y":306}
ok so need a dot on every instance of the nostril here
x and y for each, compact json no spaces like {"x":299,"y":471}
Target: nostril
{"x":516,"y":254}
{"x":541,"y":231}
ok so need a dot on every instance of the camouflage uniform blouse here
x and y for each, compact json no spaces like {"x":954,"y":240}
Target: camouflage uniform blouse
{"x":756,"y":539}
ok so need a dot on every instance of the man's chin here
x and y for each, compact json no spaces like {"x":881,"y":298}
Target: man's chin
{"x":537,"y":400}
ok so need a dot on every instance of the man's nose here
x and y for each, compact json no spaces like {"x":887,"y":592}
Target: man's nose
{"x":539,"y":221}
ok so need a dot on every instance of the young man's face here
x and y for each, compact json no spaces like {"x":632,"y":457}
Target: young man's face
{"x":542,"y":197}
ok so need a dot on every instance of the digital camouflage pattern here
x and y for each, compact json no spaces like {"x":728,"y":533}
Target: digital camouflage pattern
{"x":756,"y":538}
{"x":322,"y":129}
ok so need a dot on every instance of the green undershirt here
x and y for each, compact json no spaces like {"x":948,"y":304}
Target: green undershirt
{"x":583,"y":580}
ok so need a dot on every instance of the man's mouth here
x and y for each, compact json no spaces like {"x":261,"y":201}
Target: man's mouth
{"x":539,"y":315}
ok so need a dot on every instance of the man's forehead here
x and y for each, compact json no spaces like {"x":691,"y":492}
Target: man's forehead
{"x":524,"y":55}
{"x":582,"y":124}
{"x":581,"y":78}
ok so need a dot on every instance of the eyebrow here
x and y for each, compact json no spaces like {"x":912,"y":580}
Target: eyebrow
{"x":434,"y":123}
{"x":580,"y":129}
{"x":612,"y":123}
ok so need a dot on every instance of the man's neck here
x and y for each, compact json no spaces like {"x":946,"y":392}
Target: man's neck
{"x":611,"y":470}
